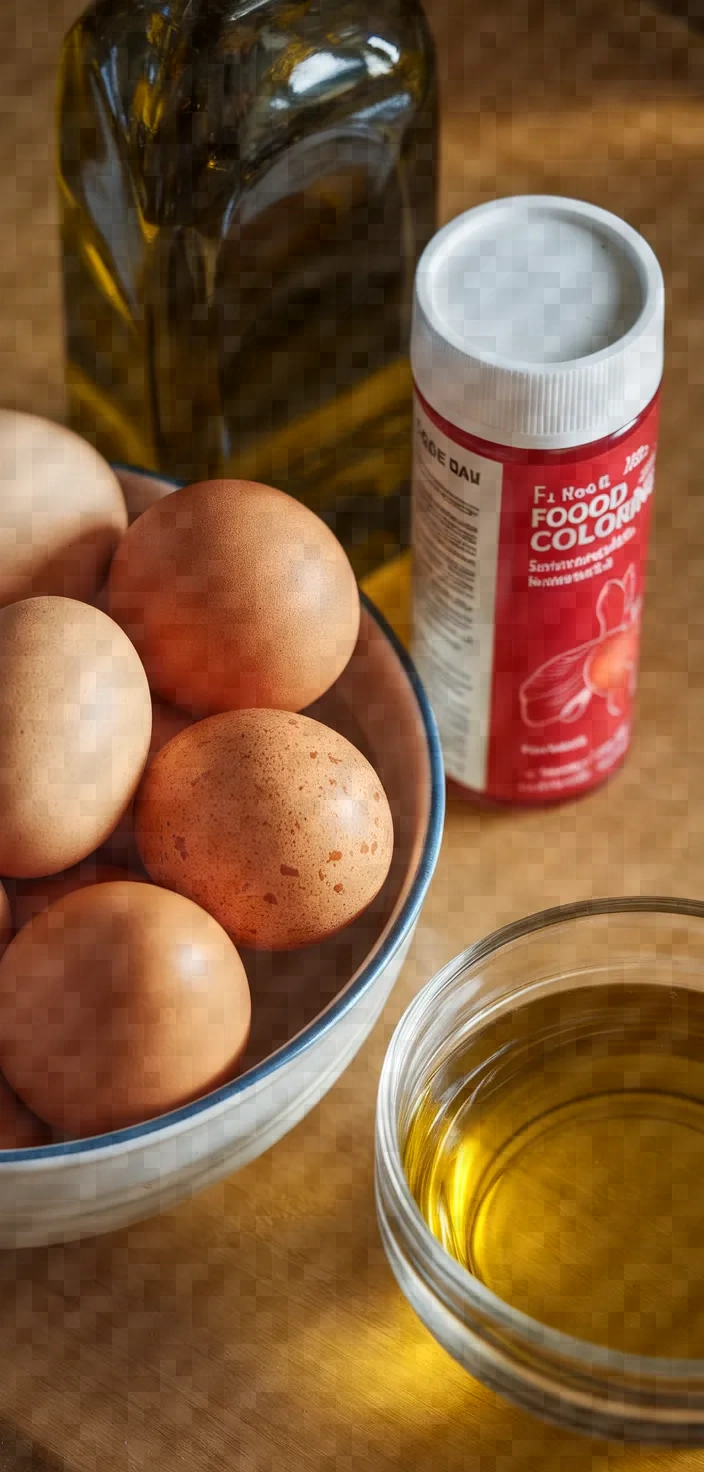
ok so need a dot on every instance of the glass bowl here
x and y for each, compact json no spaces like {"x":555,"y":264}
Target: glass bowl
{"x":594,"y":1383}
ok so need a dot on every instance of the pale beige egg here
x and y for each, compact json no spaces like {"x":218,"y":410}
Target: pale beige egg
{"x":236,"y":596}
{"x":62,"y":511}
{"x":120,"y":1002}
{"x":75,"y":726}
{"x":273,"y":822}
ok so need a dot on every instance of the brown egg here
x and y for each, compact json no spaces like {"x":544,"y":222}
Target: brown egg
{"x":6,"y":924}
{"x":141,"y":489}
{"x":118,"y":1003}
{"x":235,"y":596}
{"x":167,"y":722}
{"x":19,"y":1129}
{"x":75,"y":725}
{"x":277,"y":825}
{"x":62,"y":511}
{"x":121,"y":847}
{"x":28,"y":897}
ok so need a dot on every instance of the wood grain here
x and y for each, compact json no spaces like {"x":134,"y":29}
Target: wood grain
{"x":258,"y":1328}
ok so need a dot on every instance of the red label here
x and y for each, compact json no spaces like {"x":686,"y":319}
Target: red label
{"x":567,"y":592}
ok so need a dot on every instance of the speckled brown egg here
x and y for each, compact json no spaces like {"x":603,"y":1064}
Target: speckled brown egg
{"x":236,"y":596}
{"x":75,"y":725}
{"x":62,"y":511}
{"x":274,"y":823}
{"x":19,"y":1128}
{"x":119,"y":1002}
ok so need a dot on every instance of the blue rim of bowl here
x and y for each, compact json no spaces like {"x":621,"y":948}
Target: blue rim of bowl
{"x":369,"y":973}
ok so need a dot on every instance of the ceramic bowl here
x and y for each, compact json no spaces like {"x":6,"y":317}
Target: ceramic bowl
{"x":312,"y":1009}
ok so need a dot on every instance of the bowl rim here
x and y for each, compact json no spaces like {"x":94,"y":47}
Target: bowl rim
{"x":114,"y":1140}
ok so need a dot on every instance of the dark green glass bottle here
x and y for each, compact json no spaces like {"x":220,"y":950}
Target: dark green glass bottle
{"x":246,"y":188}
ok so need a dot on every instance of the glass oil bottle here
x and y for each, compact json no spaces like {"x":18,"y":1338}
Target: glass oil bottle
{"x":246,"y":188}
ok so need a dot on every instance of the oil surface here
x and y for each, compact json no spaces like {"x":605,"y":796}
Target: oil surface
{"x":559,"y":1157}
{"x":245,"y":191}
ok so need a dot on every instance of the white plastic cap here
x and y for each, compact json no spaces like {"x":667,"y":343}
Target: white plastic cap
{"x":538,"y":322}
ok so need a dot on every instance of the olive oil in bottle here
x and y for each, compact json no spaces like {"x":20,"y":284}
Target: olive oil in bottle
{"x":246,"y":188}
{"x":559,"y":1156}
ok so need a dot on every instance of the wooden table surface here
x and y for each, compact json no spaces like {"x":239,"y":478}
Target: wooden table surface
{"x":258,"y":1328}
